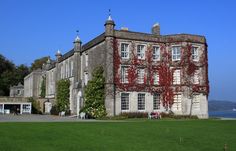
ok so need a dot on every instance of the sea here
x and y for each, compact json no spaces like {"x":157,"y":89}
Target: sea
{"x":223,"y":114}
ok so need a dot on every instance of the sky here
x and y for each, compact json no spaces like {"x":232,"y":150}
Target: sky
{"x":30,"y":29}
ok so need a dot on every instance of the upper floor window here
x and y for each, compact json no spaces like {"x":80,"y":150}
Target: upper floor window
{"x":141,"y":51}
{"x":141,"y":73}
{"x":124,"y":51}
{"x":156,"y":53}
{"x":124,"y":74}
{"x":176,"y":53}
{"x":71,"y":68}
{"x":195,"y":55}
{"x":156,"y":78}
{"x":86,"y":60}
{"x":176,"y":77}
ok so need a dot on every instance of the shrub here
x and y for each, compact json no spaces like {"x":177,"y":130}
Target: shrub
{"x":54,"y":110}
{"x":172,"y":115}
{"x":63,"y":95}
{"x":134,"y":114}
{"x":95,"y":95}
{"x":35,"y":106}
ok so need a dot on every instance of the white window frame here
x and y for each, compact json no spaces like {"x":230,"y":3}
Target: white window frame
{"x":196,"y":102}
{"x":86,"y":59}
{"x":156,"y":53}
{"x":86,"y":78}
{"x":71,"y":68}
{"x":176,"y":53}
{"x":177,"y":105}
{"x":141,"y":75}
{"x":177,"y":77}
{"x":126,"y":108}
{"x":195,"y":53}
{"x":141,"y":52}
{"x":124,"y":54}
{"x":156,"y":78}
{"x":156,"y":101}
{"x":124,"y":74}
{"x":143,"y":103}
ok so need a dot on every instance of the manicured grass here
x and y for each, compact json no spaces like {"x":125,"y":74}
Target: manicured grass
{"x":173,"y":135}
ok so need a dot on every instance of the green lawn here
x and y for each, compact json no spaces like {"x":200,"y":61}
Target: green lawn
{"x":173,"y":135}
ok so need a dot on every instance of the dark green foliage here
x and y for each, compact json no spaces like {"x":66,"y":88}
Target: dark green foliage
{"x":10,"y":75}
{"x":134,"y":114}
{"x":54,"y":110}
{"x":173,"y":116}
{"x":38,"y":63}
{"x":43,"y":88}
{"x":95,"y":94}
{"x":35,"y":106}
{"x":63,"y":95}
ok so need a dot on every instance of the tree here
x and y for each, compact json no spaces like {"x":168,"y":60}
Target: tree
{"x":63,"y":95}
{"x":10,"y":75}
{"x":95,"y":94}
{"x":38,"y":63}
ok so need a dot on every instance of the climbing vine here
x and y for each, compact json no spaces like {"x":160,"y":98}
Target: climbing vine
{"x":165,"y":69}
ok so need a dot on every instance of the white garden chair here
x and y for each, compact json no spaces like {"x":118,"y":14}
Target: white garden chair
{"x":82,"y":115}
{"x":62,"y":113}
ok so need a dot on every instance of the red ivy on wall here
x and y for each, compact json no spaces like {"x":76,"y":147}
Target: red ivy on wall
{"x":165,"y":68}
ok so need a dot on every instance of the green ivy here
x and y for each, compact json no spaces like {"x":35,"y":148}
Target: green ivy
{"x":95,"y":94}
{"x":43,"y":87}
{"x":63,"y":95}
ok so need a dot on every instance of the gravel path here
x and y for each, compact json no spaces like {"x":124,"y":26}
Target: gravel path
{"x":39,"y":118}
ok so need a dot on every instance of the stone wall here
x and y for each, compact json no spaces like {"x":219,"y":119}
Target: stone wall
{"x":13,"y":99}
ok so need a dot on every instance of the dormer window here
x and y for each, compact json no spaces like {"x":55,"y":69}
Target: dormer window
{"x":141,"y":52}
{"x":176,"y":53}
{"x":124,"y":51}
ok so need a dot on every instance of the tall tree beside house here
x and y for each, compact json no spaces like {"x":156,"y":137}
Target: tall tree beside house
{"x":95,"y":94}
{"x":10,"y":75}
{"x":38,"y":63}
{"x":43,"y":88}
{"x":63,"y":95}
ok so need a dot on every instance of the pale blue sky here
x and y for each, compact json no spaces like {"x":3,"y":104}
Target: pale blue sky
{"x":30,"y":29}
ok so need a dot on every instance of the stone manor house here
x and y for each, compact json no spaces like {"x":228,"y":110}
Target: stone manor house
{"x":144,"y":72}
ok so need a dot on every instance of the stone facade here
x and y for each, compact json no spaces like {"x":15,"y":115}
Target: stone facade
{"x":17,"y":91}
{"x":32,"y":84}
{"x":78,"y":64}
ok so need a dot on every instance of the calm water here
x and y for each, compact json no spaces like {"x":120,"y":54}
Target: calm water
{"x":226,"y":114}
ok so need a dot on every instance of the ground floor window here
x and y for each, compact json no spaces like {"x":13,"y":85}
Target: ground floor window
{"x":141,"y":101}
{"x":156,"y":101}
{"x":177,"y":106}
{"x":196,"y":102}
{"x":26,"y":108}
{"x":124,"y":101}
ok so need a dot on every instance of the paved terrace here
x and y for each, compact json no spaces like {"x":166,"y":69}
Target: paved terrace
{"x":40,"y":118}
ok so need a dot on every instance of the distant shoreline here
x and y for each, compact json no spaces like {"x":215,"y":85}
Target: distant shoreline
{"x":223,"y":114}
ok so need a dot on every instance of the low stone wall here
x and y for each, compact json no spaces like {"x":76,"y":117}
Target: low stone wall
{"x":13,"y":99}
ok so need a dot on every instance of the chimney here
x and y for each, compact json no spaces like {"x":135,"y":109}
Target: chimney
{"x":156,"y":29}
